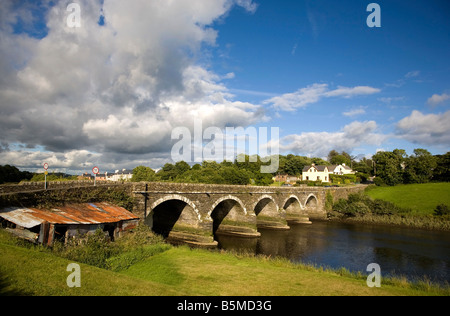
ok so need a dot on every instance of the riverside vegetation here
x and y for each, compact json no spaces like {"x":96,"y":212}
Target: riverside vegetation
{"x":415,"y":205}
{"x":143,"y":264}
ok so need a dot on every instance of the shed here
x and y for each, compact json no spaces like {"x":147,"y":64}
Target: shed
{"x":46,"y":225}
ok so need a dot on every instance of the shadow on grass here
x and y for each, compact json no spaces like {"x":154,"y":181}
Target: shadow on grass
{"x":7,"y":290}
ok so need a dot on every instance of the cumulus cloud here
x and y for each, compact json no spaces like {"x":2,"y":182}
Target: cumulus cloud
{"x":437,"y":99}
{"x":355,"y":112}
{"x":313,"y":93}
{"x":114,"y":88}
{"x":426,"y":129}
{"x":321,"y":143}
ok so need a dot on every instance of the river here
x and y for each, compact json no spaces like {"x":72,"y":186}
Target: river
{"x":400,"y":251}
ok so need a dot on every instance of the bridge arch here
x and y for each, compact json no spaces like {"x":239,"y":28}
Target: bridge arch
{"x":226,"y":198}
{"x":311,"y":201}
{"x":172,"y":210}
{"x":266,"y":206}
{"x":292,"y":205}
{"x":229,"y":208}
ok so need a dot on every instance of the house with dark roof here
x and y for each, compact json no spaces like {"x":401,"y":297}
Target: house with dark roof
{"x":316,"y":173}
{"x":322,"y":172}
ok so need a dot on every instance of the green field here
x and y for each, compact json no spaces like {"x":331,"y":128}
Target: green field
{"x":422,"y":199}
{"x":185,"y":272}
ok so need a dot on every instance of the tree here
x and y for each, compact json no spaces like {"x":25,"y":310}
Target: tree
{"x":419,"y":167}
{"x":442,"y":170}
{"x":294,"y":165}
{"x":142,"y":173}
{"x":232,"y":175}
{"x":364,"y":166}
{"x":249,"y":163}
{"x":336,"y":158}
{"x":10,"y":173}
{"x":318,"y":161}
{"x":181,"y":167}
{"x":263,"y":179}
{"x":211,"y":164}
{"x":388,"y":166}
{"x":332,"y":154}
{"x":167,"y":173}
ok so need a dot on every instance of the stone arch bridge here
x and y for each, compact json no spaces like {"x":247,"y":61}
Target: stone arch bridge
{"x":195,"y":213}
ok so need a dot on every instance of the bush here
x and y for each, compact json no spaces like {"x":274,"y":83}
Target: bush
{"x":442,"y":210}
{"x":97,"y":250}
{"x":345,"y":179}
{"x":329,"y":200}
{"x":379,"y":181}
{"x":361,"y":204}
{"x":357,"y":209}
{"x":93,"y":249}
{"x":127,"y":259}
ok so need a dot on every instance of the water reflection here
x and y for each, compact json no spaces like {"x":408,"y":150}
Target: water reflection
{"x":399,"y":251}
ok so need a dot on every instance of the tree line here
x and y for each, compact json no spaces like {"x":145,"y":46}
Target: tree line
{"x":385,"y":167}
{"x":396,"y":167}
{"x":11,"y":174}
{"x":388,"y":168}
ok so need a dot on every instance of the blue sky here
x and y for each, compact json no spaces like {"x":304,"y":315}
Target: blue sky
{"x":282,"y":48}
{"x":111,"y":93}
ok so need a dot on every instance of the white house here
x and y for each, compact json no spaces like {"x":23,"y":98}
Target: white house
{"x":123,"y":175}
{"x":341,"y":169}
{"x":322,"y":173}
{"x":316,"y":173}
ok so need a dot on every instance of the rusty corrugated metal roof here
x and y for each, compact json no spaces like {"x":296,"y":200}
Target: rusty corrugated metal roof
{"x":86,"y":213}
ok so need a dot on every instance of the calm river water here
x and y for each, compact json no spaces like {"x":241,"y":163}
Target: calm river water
{"x":399,"y":251}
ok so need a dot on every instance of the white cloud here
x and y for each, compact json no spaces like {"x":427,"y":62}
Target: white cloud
{"x":350,"y":92}
{"x":313,"y":93}
{"x":355,"y":112}
{"x":426,"y":129}
{"x":58,"y":162}
{"x":114,"y":89}
{"x":320,"y":144}
{"x":437,"y":99}
{"x":389,"y":100}
{"x":412,"y":74}
{"x":248,"y":5}
{"x":299,"y":99}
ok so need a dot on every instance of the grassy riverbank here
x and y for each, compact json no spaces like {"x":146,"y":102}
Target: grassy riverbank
{"x":411,"y":205}
{"x":421,"y":199}
{"x":185,"y":272}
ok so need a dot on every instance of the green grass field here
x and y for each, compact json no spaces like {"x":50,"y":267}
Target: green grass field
{"x":185,"y":272}
{"x":422,"y":199}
